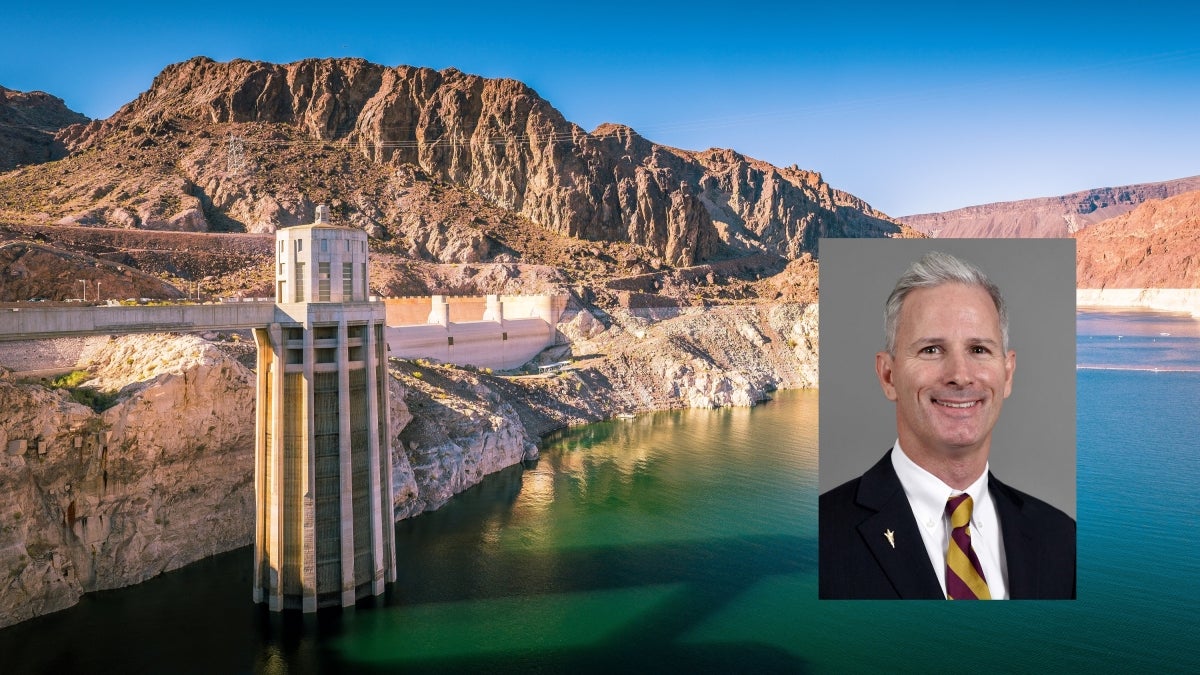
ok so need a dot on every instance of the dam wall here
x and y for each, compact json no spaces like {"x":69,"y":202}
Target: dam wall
{"x":498,"y":332}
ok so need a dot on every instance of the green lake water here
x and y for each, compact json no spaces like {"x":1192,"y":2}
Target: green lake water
{"x":685,"y":542}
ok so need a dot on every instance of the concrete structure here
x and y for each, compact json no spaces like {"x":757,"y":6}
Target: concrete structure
{"x":324,"y":534}
{"x":500,"y":332}
{"x":325,"y":530}
{"x":33,"y":322}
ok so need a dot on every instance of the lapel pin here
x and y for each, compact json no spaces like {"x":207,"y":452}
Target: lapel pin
{"x":891,"y":537}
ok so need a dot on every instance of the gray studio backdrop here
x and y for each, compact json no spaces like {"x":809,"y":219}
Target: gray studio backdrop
{"x":1033,"y":444}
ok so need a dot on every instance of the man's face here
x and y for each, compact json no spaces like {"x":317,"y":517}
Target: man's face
{"x":950,"y":374}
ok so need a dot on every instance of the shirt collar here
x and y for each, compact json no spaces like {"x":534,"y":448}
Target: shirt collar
{"x":927,"y":494}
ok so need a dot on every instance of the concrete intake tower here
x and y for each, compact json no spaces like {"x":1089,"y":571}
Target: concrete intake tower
{"x":324,"y":534}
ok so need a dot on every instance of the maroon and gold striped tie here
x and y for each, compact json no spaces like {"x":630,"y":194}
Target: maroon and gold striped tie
{"x":964,"y":575}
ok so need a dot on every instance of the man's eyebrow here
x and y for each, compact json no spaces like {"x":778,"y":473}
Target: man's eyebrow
{"x":933,"y":340}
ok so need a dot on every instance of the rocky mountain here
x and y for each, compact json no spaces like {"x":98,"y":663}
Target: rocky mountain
{"x":28,"y":124}
{"x":31,"y":270}
{"x":1046,"y":216}
{"x":442,"y":165}
{"x":1156,"y":245}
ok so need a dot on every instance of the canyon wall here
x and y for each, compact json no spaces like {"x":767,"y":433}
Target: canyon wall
{"x":1060,"y":216}
{"x":91,"y":500}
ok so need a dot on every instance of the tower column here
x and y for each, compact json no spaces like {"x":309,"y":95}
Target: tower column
{"x":346,"y":464}
{"x":262,"y":422}
{"x":308,"y":479}
{"x":383,"y":553}
{"x":276,"y":528}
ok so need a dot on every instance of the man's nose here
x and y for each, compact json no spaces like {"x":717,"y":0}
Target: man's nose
{"x":958,"y":369}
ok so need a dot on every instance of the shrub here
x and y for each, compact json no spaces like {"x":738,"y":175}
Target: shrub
{"x":94,"y":398}
{"x":71,"y":380}
{"x":90,"y":396}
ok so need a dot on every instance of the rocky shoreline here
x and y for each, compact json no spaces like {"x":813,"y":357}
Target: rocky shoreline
{"x":1160,"y":299}
{"x":164,"y":477}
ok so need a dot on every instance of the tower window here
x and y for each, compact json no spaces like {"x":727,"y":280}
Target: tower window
{"x":323,"y":281}
{"x":299,"y":282}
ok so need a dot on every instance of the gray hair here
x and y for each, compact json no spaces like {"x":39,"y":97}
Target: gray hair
{"x":934,"y":269}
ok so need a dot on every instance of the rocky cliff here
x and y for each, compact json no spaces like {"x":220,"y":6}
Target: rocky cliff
{"x":1047,"y":216}
{"x":100,"y":500}
{"x":1156,"y":245}
{"x":28,"y":124}
{"x":250,"y":146}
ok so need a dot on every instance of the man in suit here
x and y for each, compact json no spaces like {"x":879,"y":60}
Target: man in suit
{"x":929,"y":520}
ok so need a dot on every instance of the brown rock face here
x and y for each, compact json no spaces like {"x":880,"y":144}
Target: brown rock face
{"x":1048,"y":216}
{"x":28,"y":123}
{"x":1157,"y":245}
{"x":29,"y":270}
{"x":101,"y":500}
{"x":250,"y":146}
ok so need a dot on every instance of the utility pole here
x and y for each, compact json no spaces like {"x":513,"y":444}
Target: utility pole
{"x":83,"y":297}
{"x":97,"y":290}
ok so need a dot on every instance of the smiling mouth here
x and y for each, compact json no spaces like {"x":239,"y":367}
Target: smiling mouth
{"x":956,"y":404}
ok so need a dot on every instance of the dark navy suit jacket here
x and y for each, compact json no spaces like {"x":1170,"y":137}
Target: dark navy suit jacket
{"x":857,"y":562}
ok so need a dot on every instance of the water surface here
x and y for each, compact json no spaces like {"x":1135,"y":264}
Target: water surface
{"x":685,"y":542}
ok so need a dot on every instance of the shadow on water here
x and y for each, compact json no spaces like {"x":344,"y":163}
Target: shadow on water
{"x":201,"y":619}
{"x":634,"y":546}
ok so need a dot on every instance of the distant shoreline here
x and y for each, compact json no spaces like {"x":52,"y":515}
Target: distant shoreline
{"x":1185,"y":300}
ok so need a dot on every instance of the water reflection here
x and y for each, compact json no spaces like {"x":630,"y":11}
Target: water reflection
{"x":1137,"y":340}
{"x":635,"y":544}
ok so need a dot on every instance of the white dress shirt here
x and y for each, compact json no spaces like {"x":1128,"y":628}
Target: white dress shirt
{"x":927,"y":496}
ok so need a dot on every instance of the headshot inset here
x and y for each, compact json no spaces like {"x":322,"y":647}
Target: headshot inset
{"x":947,"y":401}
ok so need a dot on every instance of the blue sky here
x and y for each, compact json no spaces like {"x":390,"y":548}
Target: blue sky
{"x":914,"y":108}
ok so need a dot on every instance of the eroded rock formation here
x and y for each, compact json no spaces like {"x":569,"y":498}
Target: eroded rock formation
{"x":1157,"y":245}
{"x":100,"y":500}
{"x":250,"y":146}
{"x":28,"y":124}
{"x":1046,"y":216}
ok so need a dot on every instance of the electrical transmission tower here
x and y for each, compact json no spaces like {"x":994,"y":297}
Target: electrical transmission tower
{"x":235,"y":155}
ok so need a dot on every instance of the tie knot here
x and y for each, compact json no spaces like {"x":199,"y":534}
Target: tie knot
{"x":958,"y":508}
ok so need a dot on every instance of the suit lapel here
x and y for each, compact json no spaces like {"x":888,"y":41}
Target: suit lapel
{"x":902,"y":558}
{"x":1015,"y":528}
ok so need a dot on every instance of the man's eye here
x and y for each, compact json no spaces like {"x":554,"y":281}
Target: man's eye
{"x":980,"y":349}
{"x":931,"y":349}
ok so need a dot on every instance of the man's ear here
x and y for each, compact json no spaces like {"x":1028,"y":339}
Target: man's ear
{"x":1010,"y":365}
{"x":883,"y":370}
